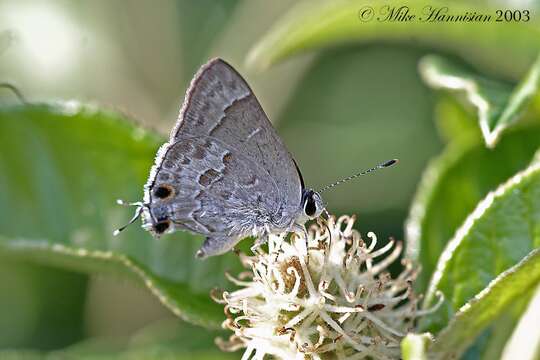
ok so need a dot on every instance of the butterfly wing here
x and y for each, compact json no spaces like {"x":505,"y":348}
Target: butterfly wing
{"x":221,"y":104}
{"x":227,"y":171}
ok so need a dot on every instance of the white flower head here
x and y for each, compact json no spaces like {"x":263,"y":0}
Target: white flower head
{"x":327,"y":296}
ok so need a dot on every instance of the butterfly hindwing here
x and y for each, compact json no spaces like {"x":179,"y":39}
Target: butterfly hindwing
{"x":205,"y":198}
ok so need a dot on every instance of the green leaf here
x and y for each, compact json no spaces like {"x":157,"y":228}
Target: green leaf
{"x":165,"y":339}
{"x":488,"y":304}
{"x":501,"y":329}
{"x":502,"y":229}
{"x":498,"y":104}
{"x":21,"y":355}
{"x":525,"y":341}
{"x":453,"y":122}
{"x":454,"y":183}
{"x":62,"y":167}
{"x":40,"y":307}
{"x":414,"y":346}
{"x":315,"y":25}
{"x":148,"y":353}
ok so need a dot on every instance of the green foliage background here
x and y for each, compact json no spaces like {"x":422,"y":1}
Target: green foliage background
{"x":343,"y":94}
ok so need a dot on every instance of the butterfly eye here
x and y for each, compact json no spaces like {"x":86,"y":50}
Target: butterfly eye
{"x":164,"y":191}
{"x":310,"y":208}
{"x":161,"y":227}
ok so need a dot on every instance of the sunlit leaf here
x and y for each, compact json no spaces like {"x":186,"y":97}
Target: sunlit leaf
{"x":497,"y":104}
{"x":452,"y":186}
{"x":314,"y":25}
{"x":502,"y":229}
{"x":486,"y":306}
{"x":414,"y":346}
{"x":525,"y":341}
{"x":62,"y":167}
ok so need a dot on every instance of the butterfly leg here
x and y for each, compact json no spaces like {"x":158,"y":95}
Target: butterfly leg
{"x":216,"y":246}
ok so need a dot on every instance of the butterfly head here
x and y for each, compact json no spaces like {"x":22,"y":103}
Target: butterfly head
{"x":312,"y":204}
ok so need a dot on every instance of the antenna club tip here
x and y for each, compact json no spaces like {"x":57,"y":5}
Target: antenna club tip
{"x":390,"y":163}
{"x":116,"y":232}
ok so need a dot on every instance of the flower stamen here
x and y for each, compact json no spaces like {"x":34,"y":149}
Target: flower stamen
{"x":356,"y":310}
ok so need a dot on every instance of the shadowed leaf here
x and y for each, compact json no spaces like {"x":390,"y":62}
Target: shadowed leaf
{"x":62,"y":167}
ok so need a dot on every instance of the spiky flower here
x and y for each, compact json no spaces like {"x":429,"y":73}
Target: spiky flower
{"x":328,"y":296}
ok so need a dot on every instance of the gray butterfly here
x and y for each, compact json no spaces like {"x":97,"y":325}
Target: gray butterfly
{"x":225,"y":173}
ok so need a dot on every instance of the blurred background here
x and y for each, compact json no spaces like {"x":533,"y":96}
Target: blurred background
{"x":345,"y":109}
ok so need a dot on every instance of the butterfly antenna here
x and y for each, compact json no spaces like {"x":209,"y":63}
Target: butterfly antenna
{"x":138,"y":212}
{"x":364,"y":172}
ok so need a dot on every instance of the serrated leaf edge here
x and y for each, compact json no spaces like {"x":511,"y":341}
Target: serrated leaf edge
{"x":431,"y":175}
{"x":436,"y":80}
{"x":469,"y":222}
{"x":526,"y":88}
{"x":470,"y":305}
{"x":148,"y":281}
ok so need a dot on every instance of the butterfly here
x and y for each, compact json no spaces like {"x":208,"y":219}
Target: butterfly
{"x":225,"y":173}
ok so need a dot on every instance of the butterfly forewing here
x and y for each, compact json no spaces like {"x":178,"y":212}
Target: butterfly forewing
{"x":220,"y":104}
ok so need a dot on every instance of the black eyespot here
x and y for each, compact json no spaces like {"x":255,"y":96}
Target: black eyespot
{"x":161,"y":227}
{"x":163,"y":191}
{"x":310,"y":208}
